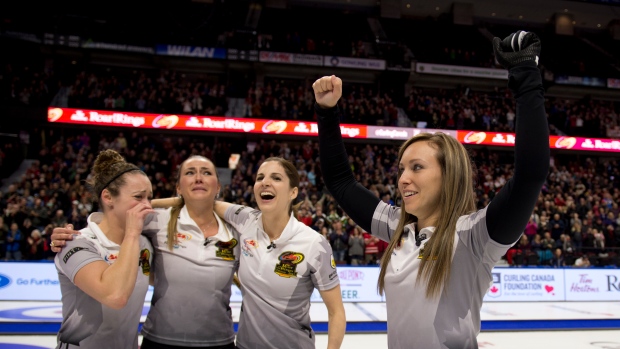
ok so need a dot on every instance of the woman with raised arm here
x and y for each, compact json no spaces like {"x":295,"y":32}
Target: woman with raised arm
{"x":196,"y":256}
{"x":104,"y":272}
{"x":437,"y":267}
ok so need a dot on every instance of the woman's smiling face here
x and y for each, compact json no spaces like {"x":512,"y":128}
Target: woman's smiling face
{"x":420,"y":182}
{"x":272,"y":189}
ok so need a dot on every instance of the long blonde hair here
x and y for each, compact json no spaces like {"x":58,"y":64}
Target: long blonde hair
{"x":455,"y":200}
{"x":173,"y":239}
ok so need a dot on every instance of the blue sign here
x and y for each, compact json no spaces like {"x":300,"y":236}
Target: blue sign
{"x":4,"y":280}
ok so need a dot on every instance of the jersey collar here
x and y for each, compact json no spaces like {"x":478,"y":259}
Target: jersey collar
{"x":291,"y":229}
{"x":222,"y":232}
{"x":94,"y":232}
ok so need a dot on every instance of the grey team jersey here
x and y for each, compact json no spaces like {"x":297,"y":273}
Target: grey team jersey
{"x":192,"y":289}
{"x":86,"y":322}
{"x":453,"y":319}
{"x":277,"y":282}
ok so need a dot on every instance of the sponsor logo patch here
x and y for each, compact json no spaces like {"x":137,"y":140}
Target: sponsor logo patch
{"x":71,"y":252}
{"x":287,"y":268}
{"x":145,"y":256}
{"x":226,"y":249}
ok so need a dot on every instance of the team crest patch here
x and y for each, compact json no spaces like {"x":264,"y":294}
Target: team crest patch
{"x":145,"y":256}
{"x":333,"y":262}
{"x":287,"y":268}
{"x":226,"y":249}
{"x":71,"y":252}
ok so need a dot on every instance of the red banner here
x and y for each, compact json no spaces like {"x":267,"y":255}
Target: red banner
{"x":300,"y":128}
{"x":187,"y":122}
{"x":486,"y":138}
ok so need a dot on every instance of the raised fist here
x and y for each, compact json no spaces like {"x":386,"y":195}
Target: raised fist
{"x":518,"y":47}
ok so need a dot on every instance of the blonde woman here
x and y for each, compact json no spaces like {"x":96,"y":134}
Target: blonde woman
{"x":437,"y":267}
{"x":196,"y":256}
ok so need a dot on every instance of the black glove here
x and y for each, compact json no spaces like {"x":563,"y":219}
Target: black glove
{"x":518,"y":47}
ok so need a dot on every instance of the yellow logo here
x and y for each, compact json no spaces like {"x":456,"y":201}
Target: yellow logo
{"x":287,"y":268}
{"x":421,"y":256}
{"x":226,"y":249}
{"x":145,"y":255}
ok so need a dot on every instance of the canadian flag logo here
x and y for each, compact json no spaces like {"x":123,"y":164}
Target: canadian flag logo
{"x":495,"y":290}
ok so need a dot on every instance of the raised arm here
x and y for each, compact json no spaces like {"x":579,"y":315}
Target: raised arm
{"x":509,"y":211}
{"x":358,"y":202}
{"x":220,"y":208}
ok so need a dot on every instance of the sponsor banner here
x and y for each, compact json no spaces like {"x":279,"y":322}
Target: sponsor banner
{"x":359,"y":284}
{"x":380,"y":132}
{"x":302,"y":128}
{"x":242,"y":55}
{"x":486,"y":138}
{"x":34,"y":282}
{"x":613,"y":83}
{"x":304,"y":59}
{"x":39,"y":282}
{"x":555,"y":142}
{"x":580,"y":143}
{"x":580,"y":80}
{"x":196,"y":123}
{"x":22,"y":36}
{"x":401,"y":133}
{"x":526,"y":284}
{"x":235,"y":294}
{"x":190,"y":51}
{"x":29,"y":281}
{"x":290,"y":58}
{"x":592,"y":284}
{"x":61,"y":40}
{"x":275,"y":57}
{"x":117,"y":47}
{"x":452,"y":133}
{"x":349,"y":62}
{"x":457,"y":70}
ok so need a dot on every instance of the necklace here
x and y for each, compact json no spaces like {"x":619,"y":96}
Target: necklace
{"x":272,"y":240}
{"x":204,"y":230}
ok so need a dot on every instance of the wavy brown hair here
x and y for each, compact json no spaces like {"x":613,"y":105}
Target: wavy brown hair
{"x":108,"y":173}
{"x":455,"y":200}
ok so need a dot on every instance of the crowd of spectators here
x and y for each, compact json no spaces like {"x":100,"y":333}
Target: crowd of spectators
{"x":175,"y":92}
{"x":577,"y":212}
{"x":576,"y":221}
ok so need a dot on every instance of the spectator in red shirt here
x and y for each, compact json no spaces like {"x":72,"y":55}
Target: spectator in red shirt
{"x":371,"y":250}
